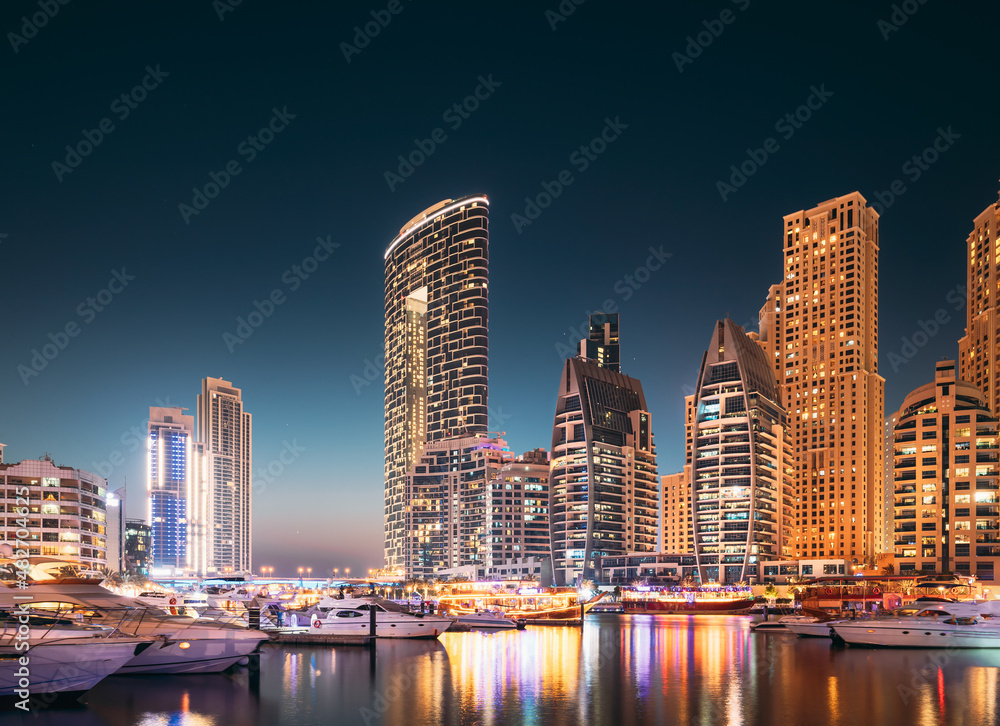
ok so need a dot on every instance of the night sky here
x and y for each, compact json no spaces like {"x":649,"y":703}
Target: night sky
{"x":673,"y":125}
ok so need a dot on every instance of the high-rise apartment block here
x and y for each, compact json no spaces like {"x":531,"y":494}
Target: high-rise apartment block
{"x":603,"y":485}
{"x":451,"y":509}
{"x":170,"y":435}
{"x":436,"y":346}
{"x":678,"y":532}
{"x":741,"y":465}
{"x":979,"y":349}
{"x":226,"y":432}
{"x":819,"y":329}
{"x":517,"y":515}
{"x":947,"y":473}
{"x":66,"y":510}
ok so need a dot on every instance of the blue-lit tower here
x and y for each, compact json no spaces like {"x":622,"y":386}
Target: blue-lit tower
{"x":170,"y":472}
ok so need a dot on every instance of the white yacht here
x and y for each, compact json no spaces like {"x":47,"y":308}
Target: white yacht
{"x":175,"y":603}
{"x":184,"y":644}
{"x":929,"y":623}
{"x":66,"y":666}
{"x":487,"y":621}
{"x":351,"y":616}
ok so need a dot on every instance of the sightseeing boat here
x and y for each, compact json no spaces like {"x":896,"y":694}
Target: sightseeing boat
{"x":841,"y":594}
{"x":518,"y":601}
{"x":688,"y":600}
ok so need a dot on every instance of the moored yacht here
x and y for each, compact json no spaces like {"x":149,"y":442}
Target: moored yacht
{"x":352,"y":616}
{"x":67,"y":666}
{"x":928,"y":623}
{"x":184,"y":644}
{"x":487,"y":621}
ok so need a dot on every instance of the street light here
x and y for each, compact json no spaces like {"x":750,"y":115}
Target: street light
{"x":347,"y":572}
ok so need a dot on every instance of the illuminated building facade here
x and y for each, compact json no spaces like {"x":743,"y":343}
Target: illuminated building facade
{"x":819,"y":329}
{"x":979,"y":348}
{"x":678,"y":533}
{"x":888,"y":484}
{"x":169,"y":476}
{"x":946,"y":479}
{"x":603,"y":485}
{"x":67,"y":510}
{"x":449,"y":513}
{"x":741,"y":466}
{"x":138,"y":547}
{"x":223,"y":544}
{"x":517,"y":510}
{"x":436,"y":345}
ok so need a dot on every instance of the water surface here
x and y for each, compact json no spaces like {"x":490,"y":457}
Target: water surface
{"x":638,"y":669}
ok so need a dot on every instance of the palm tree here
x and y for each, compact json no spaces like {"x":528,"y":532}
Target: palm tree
{"x":618,"y":593}
{"x":889,"y":569}
{"x":770,"y":592}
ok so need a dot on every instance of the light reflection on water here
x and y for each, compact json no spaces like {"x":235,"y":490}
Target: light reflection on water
{"x":620,"y":669}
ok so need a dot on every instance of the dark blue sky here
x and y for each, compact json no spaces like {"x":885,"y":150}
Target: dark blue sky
{"x":217,"y":82}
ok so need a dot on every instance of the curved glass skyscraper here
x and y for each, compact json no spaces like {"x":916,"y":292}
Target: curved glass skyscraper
{"x":741,"y":463}
{"x":436,"y":344}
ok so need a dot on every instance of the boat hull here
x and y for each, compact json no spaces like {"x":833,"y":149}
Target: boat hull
{"x":478,"y":622}
{"x":919,"y":635}
{"x":810,"y":630}
{"x":195,"y":652}
{"x":65,"y":666}
{"x":405,"y":627}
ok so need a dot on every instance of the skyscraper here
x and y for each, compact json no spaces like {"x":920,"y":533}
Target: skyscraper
{"x":603,"y":486}
{"x":741,"y":470}
{"x":169,"y":441}
{"x":979,"y":348}
{"x":820,"y":333}
{"x":946,"y":476}
{"x":225,"y":430}
{"x":436,"y":343}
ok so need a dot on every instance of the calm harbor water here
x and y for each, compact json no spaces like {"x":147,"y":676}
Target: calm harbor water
{"x":637,"y":669}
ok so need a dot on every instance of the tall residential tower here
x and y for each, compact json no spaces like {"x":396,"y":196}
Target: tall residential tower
{"x":170,"y":435}
{"x":603,"y":486}
{"x":225,"y":430}
{"x":819,"y":329}
{"x":741,"y":470}
{"x":436,"y":344}
{"x":979,"y":348}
